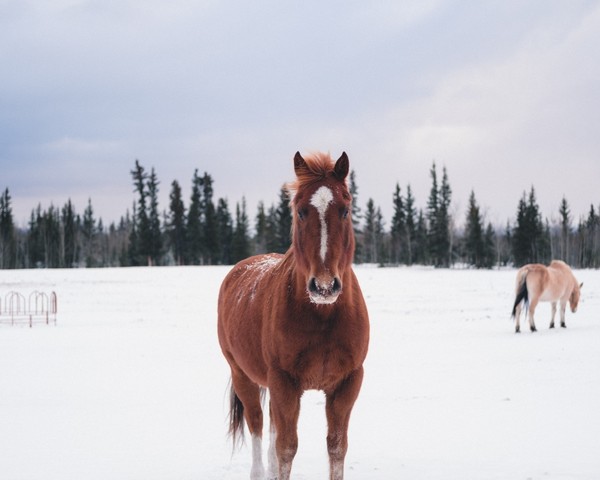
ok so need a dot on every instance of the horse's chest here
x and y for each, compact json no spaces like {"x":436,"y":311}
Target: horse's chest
{"x":321,"y":364}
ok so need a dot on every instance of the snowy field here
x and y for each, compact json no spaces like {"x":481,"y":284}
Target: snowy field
{"x":131,"y":384}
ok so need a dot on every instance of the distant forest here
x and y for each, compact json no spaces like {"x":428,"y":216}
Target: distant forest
{"x":206,"y":231}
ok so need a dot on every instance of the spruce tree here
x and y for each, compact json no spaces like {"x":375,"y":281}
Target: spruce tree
{"x":410,"y":215}
{"x":369,"y":233}
{"x":356,"y":219}
{"x":154,"y":231}
{"x":224,"y":228}
{"x":373,"y":233}
{"x":565,"y":229}
{"x":530,"y":236}
{"x":272,"y":226}
{"x":438,"y":207}
{"x":421,"y":251}
{"x":176,"y":224}
{"x":474,"y":240}
{"x":489,"y":254}
{"x":70,"y":229}
{"x":241,"y":237}
{"x":140,"y":237}
{"x":8,"y":238}
{"x":210,"y":234}
{"x":88,"y":231}
{"x":283,"y":223}
{"x":194,"y":228}
{"x":445,"y":241}
{"x":260,"y":237}
{"x":398,"y":229}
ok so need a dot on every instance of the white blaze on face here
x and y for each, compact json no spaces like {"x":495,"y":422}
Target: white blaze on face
{"x":321,"y":200}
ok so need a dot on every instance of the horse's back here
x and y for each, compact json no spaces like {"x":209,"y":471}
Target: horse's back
{"x":548,"y":283}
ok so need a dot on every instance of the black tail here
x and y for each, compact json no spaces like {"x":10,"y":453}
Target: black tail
{"x":522,"y":295}
{"x":236,"y":419}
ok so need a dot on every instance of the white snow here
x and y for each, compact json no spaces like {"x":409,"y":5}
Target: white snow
{"x":131,"y":384}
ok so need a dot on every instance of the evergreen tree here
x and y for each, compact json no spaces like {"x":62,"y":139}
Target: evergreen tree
{"x":444,"y":240}
{"x":530,"y":237}
{"x":272,"y":227}
{"x":283,"y":223}
{"x":35,"y":244}
{"x":565,"y":229}
{"x":8,"y":238}
{"x":474,"y":239}
{"x":260,"y":237}
{"x":70,"y":224}
{"x":241,"y":238}
{"x":356,"y":219}
{"x":194,"y":229}
{"x":373,"y":234}
{"x":438,"y":216}
{"x":520,"y":236}
{"x":489,"y":256}
{"x":88,"y":231}
{"x":410,"y":215}
{"x":45,"y":240}
{"x":175,"y":225}
{"x":398,"y":229}
{"x":224,"y":228}
{"x":591,"y":240}
{"x":121,"y":246}
{"x":140,"y":237}
{"x":369,"y":233}
{"x":210,"y":234}
{"x":421,"y":251}
{"x":154,"y":232}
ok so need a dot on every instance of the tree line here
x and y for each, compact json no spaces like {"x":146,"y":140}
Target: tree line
{"x":208,"y":231}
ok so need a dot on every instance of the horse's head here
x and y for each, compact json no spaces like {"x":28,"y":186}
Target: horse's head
{"x":322,"y":233}
{"x":574,"y":298}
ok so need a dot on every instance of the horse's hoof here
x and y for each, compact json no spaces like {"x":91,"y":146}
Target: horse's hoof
{"x":551,"y":325}
{"x":517,"y":330}
{"x":533,"y":329}
{"x":563,"y":325}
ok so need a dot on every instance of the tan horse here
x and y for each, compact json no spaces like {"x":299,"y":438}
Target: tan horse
{"x":298,"y":322}
{"x":538,"y":283}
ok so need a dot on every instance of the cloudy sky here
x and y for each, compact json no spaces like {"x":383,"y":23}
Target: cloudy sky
{"x":505,"y":94}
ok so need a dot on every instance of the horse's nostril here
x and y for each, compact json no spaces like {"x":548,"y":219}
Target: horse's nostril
{"x":312,"y":285}
{"x":337,"y":285}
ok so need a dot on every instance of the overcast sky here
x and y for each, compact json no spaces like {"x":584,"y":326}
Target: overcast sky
{"x":505,"y":94}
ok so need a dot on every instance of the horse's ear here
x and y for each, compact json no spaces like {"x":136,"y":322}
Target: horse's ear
{"x":581,"y":285}
{"x":299,"y":164}
{"x":342,"y":166}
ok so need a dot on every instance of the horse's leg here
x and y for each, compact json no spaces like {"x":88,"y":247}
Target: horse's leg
{"x":249,"y":394}
{"x":518,"y":318}
{"x":285,"y":409}
{"x":532,"y":305}
{"x":273,"y":466}
{"x":338,"y":407}
{"x":553,"y":314}
{"x":563,"y":307}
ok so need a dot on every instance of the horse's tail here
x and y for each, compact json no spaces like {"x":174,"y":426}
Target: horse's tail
{"x":522,"y":295}
{"x":236,"y":418}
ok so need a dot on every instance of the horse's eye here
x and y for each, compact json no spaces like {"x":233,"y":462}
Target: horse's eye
{"x":345,"y":213}
{"x":301,"y":214}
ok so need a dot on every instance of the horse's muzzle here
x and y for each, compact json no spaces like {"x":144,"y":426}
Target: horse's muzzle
{"x":324,"y":292}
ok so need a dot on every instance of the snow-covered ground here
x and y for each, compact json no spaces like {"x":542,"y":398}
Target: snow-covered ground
{"x":131,"y":384}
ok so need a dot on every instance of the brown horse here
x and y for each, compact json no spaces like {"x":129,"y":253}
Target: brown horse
{"x":538,"y":283}
{"x":298,"y":322}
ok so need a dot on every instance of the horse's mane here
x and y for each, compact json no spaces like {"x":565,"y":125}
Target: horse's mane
{"x":319,"y":165}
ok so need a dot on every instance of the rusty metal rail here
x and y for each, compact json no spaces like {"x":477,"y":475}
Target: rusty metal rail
{"x":39,"y":307}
